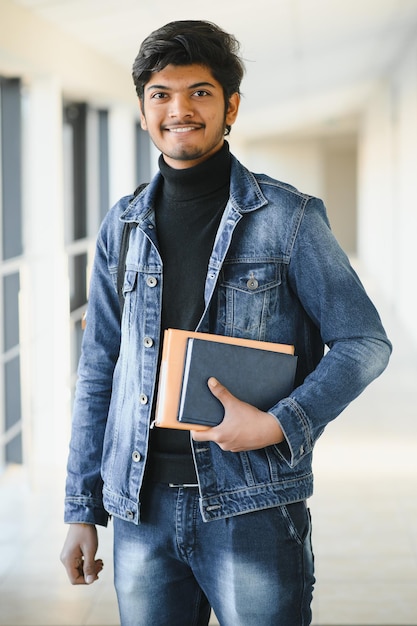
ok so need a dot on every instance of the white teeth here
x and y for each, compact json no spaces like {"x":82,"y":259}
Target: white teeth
{"x":181,"y":130}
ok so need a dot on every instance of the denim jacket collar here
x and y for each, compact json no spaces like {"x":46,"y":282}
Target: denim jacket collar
{"x":245,"y":195}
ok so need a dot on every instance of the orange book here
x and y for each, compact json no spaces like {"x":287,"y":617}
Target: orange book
{"x":172,"y":370}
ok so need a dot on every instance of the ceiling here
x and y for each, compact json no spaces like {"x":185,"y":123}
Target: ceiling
{"x":310,"y":63}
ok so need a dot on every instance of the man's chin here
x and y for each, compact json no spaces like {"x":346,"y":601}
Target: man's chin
{"x":185,"y":154}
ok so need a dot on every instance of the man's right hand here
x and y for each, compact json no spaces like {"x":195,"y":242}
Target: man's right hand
{"x":78,"y":554}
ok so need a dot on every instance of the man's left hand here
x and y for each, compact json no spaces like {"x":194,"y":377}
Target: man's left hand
{"x":244,"y":427}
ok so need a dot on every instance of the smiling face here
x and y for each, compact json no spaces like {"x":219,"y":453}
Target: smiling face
{"x":184,"y":111}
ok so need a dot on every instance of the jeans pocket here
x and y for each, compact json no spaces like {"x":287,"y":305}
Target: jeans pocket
{"x":297,"y":519}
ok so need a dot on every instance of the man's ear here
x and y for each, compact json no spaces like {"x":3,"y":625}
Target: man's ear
{"x":233,"y":108}
{"x":143,"y":123}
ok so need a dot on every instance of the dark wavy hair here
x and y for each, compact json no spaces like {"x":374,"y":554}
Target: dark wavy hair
{"x":189,"y":42}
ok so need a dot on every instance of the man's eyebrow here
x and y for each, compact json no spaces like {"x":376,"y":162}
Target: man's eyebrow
{"x":194,"y":86}
{"x":205,"y":83}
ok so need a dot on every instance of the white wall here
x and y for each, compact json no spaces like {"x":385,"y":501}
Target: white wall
{"x":340,"y":193}
{"x":323,"y":166}
{"x":388,"y":188}
{"x":385,"y":181}
{"x":121,"y":152}
{"x":295,"y":161}
{"x":31,"y":47}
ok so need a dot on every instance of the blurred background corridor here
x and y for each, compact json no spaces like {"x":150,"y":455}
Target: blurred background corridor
{"x":330,"y":106}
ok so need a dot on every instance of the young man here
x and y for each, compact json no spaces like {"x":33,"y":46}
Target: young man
{"x":217,"y":519}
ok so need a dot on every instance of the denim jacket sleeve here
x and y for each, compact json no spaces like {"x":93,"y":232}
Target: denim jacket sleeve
{"x":100,"y":350}
{"x":335,"y":300}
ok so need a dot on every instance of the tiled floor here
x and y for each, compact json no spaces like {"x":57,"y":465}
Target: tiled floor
{"x":364,"y":518}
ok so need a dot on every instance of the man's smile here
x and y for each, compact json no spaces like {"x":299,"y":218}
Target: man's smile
{"x":183,"y":129}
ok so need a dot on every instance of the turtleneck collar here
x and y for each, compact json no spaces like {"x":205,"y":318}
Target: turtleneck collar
{"x":198,"y":181}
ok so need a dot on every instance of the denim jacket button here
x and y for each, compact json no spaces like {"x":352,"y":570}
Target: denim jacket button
{"x":143,"y":398}
{"x":136,"y":456}
{"x":252,"y":283}
{"x":151,"y":281}
{"x":129,"y":514}
{"x":148,"y":342}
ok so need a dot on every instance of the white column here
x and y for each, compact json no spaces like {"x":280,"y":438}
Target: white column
{"x":44,"y":296}
{"x":121,"y":152}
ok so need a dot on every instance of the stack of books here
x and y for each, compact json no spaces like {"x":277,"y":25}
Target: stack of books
{"x":257,"y":372}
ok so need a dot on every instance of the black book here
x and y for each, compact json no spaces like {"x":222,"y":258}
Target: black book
{"x":254,"y":375}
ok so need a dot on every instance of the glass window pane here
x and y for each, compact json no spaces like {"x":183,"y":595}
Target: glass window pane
{"x":11,"y":286}
{"x":103,"y":152}
{"x":14,"y":450}
{"x":77,"y":338}
{"x":143,"y":151}
{"x":12,"y":392}
{"x":78,"y":281}
{"x":11,"y":167}
{"x":75,"y":116}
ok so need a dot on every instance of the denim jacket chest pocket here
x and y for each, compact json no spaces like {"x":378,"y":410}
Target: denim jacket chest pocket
{"x":247,"y":296}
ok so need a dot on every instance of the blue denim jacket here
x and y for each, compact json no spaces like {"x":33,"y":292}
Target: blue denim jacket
{"x":276,"y":273}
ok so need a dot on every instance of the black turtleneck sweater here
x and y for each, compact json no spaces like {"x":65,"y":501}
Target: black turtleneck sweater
{"x":190,"y":205}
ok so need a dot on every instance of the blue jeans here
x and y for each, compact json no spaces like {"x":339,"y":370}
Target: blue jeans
{"x":254,"y":569}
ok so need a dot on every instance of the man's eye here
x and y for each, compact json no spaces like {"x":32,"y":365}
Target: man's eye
{"x":158,"y":95}
{"x":201,"y":92}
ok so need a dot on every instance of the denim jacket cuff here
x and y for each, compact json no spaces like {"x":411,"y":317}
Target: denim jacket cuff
{"x":295,"y":426}
{"x":85,"y":510}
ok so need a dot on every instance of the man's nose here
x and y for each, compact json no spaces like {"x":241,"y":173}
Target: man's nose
{"x":180,"y":107}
